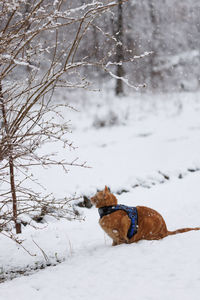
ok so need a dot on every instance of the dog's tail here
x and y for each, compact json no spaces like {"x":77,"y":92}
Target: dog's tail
{"x":182,"y":230}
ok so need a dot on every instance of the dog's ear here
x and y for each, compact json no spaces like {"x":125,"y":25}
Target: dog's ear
{"x":106,"y":189}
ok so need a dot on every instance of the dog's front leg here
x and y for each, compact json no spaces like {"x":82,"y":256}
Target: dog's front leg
{"x":119,"y":242}
{"x":114,"y":243}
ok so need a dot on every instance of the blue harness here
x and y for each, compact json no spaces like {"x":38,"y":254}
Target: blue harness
{"x":131,"y":211}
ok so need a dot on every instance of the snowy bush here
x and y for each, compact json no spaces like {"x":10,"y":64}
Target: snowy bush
{"x":108,"y":120}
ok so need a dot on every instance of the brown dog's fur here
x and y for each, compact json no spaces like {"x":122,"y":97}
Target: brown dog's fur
{"x":151,"y":225}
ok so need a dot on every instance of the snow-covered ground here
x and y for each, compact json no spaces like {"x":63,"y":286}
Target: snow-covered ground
{"x":148,"y":146}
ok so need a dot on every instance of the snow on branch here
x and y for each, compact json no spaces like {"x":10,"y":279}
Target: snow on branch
{"x":131,"y":59}
{"x":125,"y":80}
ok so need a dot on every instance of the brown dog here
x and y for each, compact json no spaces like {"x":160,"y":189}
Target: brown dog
{"x":151,"y":225}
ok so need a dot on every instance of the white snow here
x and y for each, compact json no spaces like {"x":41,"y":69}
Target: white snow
{"x":153,"y":137}
{"x":171,"y":61}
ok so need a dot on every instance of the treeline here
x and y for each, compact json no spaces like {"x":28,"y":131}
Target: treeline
{"x":168,"y":28}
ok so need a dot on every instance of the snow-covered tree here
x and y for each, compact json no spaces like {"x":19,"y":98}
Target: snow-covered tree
{"x":39,"y":52}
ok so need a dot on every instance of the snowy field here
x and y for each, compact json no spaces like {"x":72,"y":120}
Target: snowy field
{"x":146,"y":148}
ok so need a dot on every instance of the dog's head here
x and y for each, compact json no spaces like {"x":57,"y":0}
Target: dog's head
{"x":104,"y":198}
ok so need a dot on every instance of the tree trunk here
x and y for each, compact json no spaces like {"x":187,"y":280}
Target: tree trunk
{"x":27,"y":47}
{"x":155,"y":76}
{"x":11,"y":163}
{"x":13,"y":191}
{"x":119,"y":90}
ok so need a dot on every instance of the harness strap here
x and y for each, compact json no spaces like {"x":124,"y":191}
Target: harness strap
{"x":132,"y":214}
